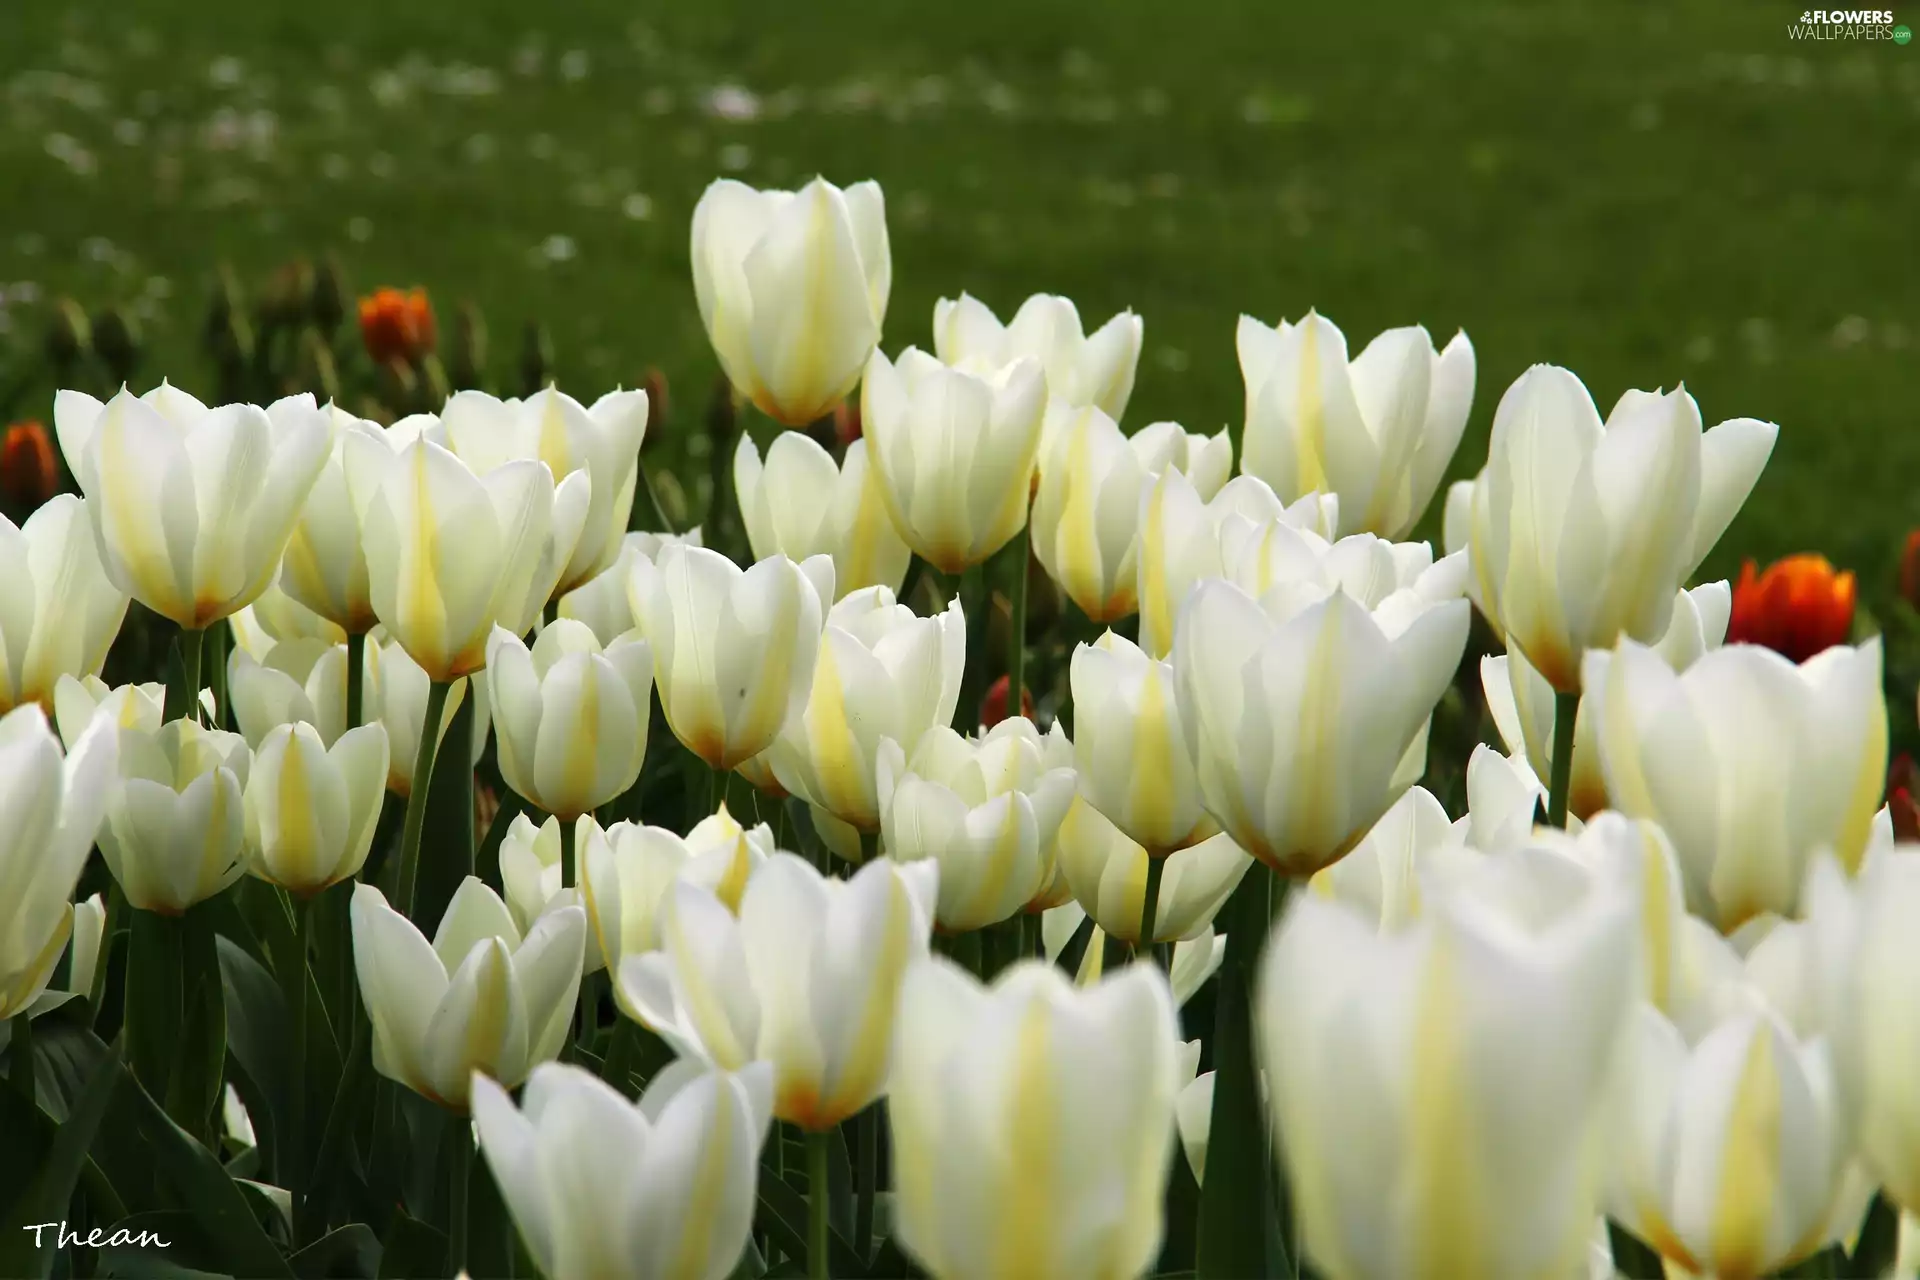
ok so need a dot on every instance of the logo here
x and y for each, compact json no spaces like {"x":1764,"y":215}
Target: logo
{"x":1848,"y":24}
{"x":1902,"y":34}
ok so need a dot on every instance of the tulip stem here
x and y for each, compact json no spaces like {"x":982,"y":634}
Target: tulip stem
{"x":716,"y":790}
{"x":183,"y":700}
{"x":459,"y":1174}
{"x":1017,"y":631}
{"x":653,"y":500}
{"x":20,"y":1056}
{"x":867,"y":1133}
{"x":1149,"y":908}
{"x":296,"y":1155}
{"x":356,"y":677}
{"x":818,"y":1197}
{"x":569,"y":873}
{"x":417,"y":798}
{"x":1566,"y":714}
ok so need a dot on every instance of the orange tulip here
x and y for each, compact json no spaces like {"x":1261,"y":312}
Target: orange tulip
{"x":1797,"y":608}
{"x":397,"y":325}
{"x":993,"y":707}
{"x":28,"y":473}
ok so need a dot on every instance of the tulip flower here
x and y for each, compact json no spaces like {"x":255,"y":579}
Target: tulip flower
{"x":552,"y":427}
{"x":277,"y":616}
{"x":48,"y":817}
{"x":571,"y":717}
{"x":1391,"y":579}
{"x":1032,"y":1122}
{"x":1797,"y":608}
{"x":172,"y":835}
{"x":1437,"y":1086}
{"x":807,"y":978}
{"x":130,"y":706}
{"x":986,"y":809}
{"x":1181,"y":535}
{"x":397,"y":324}
{"x":1383,"y":878}
{"x":1108,"y":875}
{"x":993,"y":703}
{"x":1378,"y":431}
{"x":801,"y":503}
{"x":28,"y":474}
{"x":601,"y":603}
{"x":310,"y":811}
{"x":452,"y":553}
{"x":59,"y":612}
{"x":192,"y":507}
{"x":733,"y":649}
{"x":481,"y":997}
{"x":953,"y":450}
{"x":882,"y":673}
{"x":1750,"y":763}
{"x":1194,"y":960}
{"x":1081,"y":368}
{"x":599,"y":1186}
{"x":325,"y":567}
{"x":1298,"y":723}
{"x":1131,"y":750}
{"x":792,"y":287}
{"x":82,"y":954}
{"x":1583,"y":531}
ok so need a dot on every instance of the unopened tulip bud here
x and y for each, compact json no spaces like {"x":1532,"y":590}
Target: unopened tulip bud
{"x":116,"y":339}
{"x":397,"y":326}
{"x":28,"y":473}
{"x":1797,"y":607}
{"x":993,"y":707}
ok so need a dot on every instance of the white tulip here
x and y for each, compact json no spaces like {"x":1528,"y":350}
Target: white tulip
{"x":192,"y":507}
{"x":1032,"y":1121}
{"x":129,"y":706}
{"x":1194,"y":960}
{"x":1081,"y":368}
{"x":401,"y":690}
{"x":953,"y":451}
{"x":987,"y":810}
{"x":325,"y":567}
{"x":601,"y":602}
{"x":1583,"y":532}
{"x":792,"y":287}
{"x":1130,"y":751}
{"x":1384,"y":878}
{"x":1378,"y":431}
{"x":601,"y":1187}
{"x":481,"y":997}
{"x":59,"y":612}
{"x":733,"y":648}
{"x":882,"y":673}
{"x":49,"y":815}
{"x":806,"y":978}
{"x":1108,"y":875}
{"x":1750,"y":763}
{"x":801,"y":503}
{"x":571,"y":718}
{"x":1298,"y":725}
{"x":1287,"y":557}
{"x":173,"y":831}
{"x":310,"y":810}
{"x":275,"y":617}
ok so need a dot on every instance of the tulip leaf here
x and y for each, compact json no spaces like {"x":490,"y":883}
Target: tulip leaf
{"x":194,"y":1086}
{"x":446,"y":847}
{"x":1827,"y":1264}
{"x":154,"y":999}
{"x":157,"y":1246}
{"x":1875,"y":1251}
{"x":783,"y":1216}
{"x":258,"y":1035}
{"x":1076,"y":949}
{"x":352,"y":1250}
{"x":1633,"y":1257}
{"x":59,"y":1165}
{"x":411,"y":1248}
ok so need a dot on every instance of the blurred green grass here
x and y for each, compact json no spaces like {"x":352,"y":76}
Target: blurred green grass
{"x":1646,"y":193}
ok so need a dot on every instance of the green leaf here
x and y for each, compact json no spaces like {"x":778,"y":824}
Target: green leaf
{"x":782,"y":1214}
{"x":199,"y":1070}
{"x":446,"y":842}
{"x":60,"y":1172}
{"x":349,"y":1251}
{"x":1877,"y":1248}
{"x":1632,"y":1256}
{"x":259,"y":1036}
{"x":155,"y":1001}
{"x":411,"y":1249}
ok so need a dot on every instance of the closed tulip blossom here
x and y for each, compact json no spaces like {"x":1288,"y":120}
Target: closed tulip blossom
{"x":1107,"y":873}
{"x":570,"y":717}
{"x":986,"y":809}
{"x":1582,"y":531}
{"x":325,"y":567}
{"x":953,"y":450}
{"x":807,"y":977}
{"x":174,"y":825}
{"x":1797,"y":607}
{"x":733,"y":648}
{"x":1298,"y":721}
{"x":882,"y":673}
{"x":601,"y":602}
{"x":799,"y":502}
{"x":1032,"y":1121}
{"x":482,"y":996}
{"x":661,"y":1189}
{"x":1081,"y":368}
{"x":128,"y":706}
{"x":310,"y":811}
{"x":1378,"y":431}
{"x":29,"y":475}
{"x":59,"y":612}
{"x":1131,"y":753}
{"x":397,"y":324}
{"x":792,"y":287}
{"x":1750,"y":763}
{"x":192,"y":507}
{"x":48,"y":818}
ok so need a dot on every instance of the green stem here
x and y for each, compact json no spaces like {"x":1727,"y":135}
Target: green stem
{"x":716,"y":790}
{"x":345,"y":1107}
{"x":20,"y":1056}
{"x":867,"y":1179}
{"x":459,"y":1174}
{"x":1017,"y":631}
{"x":974,"y":605}
{"x":297,"y":1166}
{"x":116,"y":916}
{"x":660,"y":520}
{"x":214,"y":659}
{"x":417,"y":799}
{"x":569,"y":835}
{"x":551,"y":613}
{"x":1150,"y":907}
{"x":183,"y":700}
{"x":1566,"y":714}
{"x":356,"y":677}
{"x":818,"y":1197}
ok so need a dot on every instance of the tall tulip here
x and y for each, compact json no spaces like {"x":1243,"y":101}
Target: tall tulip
{"x":1131,"y":752}
{"x":800,"y":503}
{"x":1081,"y":368}
{"x":325,"y":567}
{"x":1750,"y":763}
{"x":733,"y":648}
{"x":480,"y":997}
{"x":310,"y":810}
{"x":1032,"y":1121}
{"x":807,"y":978}
{"x":954,"y":451}
{"x":59,"y":612}
{"x":792,"y":287}
{"x":571,"y":717}
{"x":48,"y":818}
{"x":192,"y":507}
{"x":1583,"y":531}
{"x":599,"y":1186}
{"x":1298,"y":722}
{"x":1378,"y":431}
{"x":174,"y":826}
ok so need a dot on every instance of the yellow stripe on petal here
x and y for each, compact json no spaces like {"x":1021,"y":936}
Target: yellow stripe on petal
{"x":1151,"y":791}
{"x":583,"y":744}
{"x":1749,"y":1165}
{"x":1658,"y":919}
{"x":1080,"y":565}
{"x":1156,"y":609}
{"x":864,"y":1069}
{"x":1309,"y":413}
{"x":296,"y":859}
{"x":1026,"y":1217}
{"x":691,"y":1259}
{"x":422,"y":610}
{"x":838,"y":767}
{"x":1449,"y":1213}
